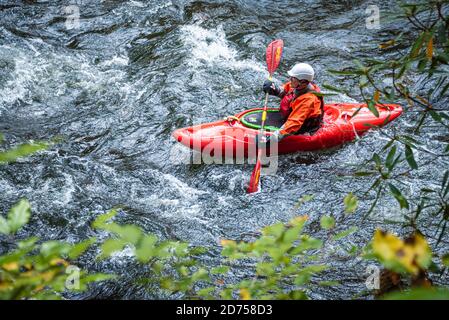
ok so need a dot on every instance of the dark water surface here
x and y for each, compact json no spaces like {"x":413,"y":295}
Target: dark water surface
{"x":116,"y":87}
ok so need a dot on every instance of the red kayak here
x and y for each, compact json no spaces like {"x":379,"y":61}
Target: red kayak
{"x":235,"y":136}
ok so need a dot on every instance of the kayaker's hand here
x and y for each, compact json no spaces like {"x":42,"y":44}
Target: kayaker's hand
{"x":262,"y":141}
{"x":270,"y":88}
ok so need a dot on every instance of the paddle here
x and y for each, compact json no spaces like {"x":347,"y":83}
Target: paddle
{"x":273,"y":57}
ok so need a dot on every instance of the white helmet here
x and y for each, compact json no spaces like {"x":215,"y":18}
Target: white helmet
{"x":302,"y":71}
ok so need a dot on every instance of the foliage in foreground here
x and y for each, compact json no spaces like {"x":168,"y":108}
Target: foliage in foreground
{"x":39,"y":269}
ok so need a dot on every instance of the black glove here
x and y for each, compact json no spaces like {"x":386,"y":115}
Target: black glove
{"x":270,"y":88}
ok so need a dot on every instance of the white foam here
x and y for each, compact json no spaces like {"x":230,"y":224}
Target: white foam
{"x":210,"y":47}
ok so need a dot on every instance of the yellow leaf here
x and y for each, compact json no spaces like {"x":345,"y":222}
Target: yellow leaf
{"x":298,"y":220}
{"x":413,"y":254}
{"x":11,"y":266}
{"x":376,"y":96}
{"x":387,"y":44}
{"x":421,"y":250}
{"x":244,"y":294}
{"x":386,"y":245}
{"x":47,"y":276}
{"x":429,"y":50}
{"x":226,"y":243}
{"x":58,"y":261}
{"x":4,"y":286}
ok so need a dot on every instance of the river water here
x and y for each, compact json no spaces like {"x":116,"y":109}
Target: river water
{"x":115,"y":84}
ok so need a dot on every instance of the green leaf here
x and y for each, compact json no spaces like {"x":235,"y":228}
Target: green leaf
{"x":4,"y":226}
{"x":332,"y":88}
{"x":445,"y":260}
{"x":220,"y":270}
{"x":399,"y":197}
{"x":410,"y":158}
{"x":97,"y":277}
{"x":145,"y":250}
{"x":417,"y":45}
{"x":79,"y":248}
{"x":377,"y":160}
{"x":351,"y":203}
{"x":342,"y":72}
{"x":19,"y":215}
{"x":129,"y":233}
{"x":200,"y":275}
{"x":390,"y":158}
{"x":363,"y":173}
{"x":54,"y":247}
{"x":372,"y":107}
{"x":327,"y":222}
{"x":420,"y":294}
{"x":307,"y":243}
{"x":206,"y":292}
{"x":101,"y":220}
{"x":20,"y":151}
{"x":345,"y":233}
{"x":27,"y":243}
{"x":292,"y":234}
{"x":274,"y":230}
{"x":110,"y":246}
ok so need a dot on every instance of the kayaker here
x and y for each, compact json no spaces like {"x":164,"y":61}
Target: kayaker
{"x":300,"y":106}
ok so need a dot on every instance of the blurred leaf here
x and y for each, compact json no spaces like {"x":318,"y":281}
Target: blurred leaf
{"x":327,"y":222}
{"x":145,"y":249}
{"x":445,"y":260}
{"x":410,"y":158}
{"x":52,"y":248}
{"x":420,"y":294}
{"x":19,"y":215}
{"x":387,"y":44}
{"x":345,"y":233}
{"x":20,"y":151}
{"x":351,"y":203}
{"x":101,"y":220}
{"x":376,"y":96}
{"x":332,"y":88}
{"x":429,"y":49}
{"x":342,"y":73}
{"x":417,"y":45}
{"x":4,"y":226}
{"x":291,"y":234}
{"x":110,"y":246}
{"x":401,"y":256}
{"x":129,"y":233}
{"x":205,"y":292}
{"x":79,"y":248}
{"x":274,"y":230}
{"x":372,"y":107}
{"x":200,"y":275}
{"x":399,"y":197}
{"x":364,"y":173}
{"x":220,"y":270}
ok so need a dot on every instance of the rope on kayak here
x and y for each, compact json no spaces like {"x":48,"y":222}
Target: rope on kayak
{"x":231,"y":118}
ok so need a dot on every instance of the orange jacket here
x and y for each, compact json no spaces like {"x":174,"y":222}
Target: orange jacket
{"x":303,"y":107}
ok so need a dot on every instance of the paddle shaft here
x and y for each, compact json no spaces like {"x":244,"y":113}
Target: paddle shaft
{"x":274,"y":52}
